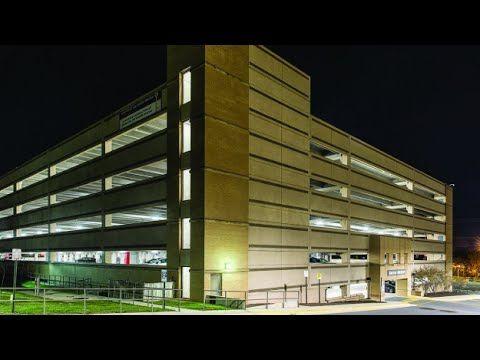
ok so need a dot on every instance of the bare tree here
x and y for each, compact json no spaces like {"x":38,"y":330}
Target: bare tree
{"x":473,"y":262}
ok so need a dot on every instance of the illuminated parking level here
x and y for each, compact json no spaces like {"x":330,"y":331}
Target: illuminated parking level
{"x":252,"y":194}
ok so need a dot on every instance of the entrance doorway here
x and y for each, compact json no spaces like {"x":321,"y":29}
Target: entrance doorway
{"x":186,"y":282}
{"x":390,"y":287}
{"x":216,"y":284}
{"x":402,"y":287}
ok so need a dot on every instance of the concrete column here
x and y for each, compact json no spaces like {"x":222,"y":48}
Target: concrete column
{"x":108,"y":220}
{"x":108,"y":146}
{"x":108,"y":183}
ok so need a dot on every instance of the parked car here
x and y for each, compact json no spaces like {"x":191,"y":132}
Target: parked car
{"x":86,"y":259}
{"x":390,"y":287}
{"x":316,"y":260}
{"x":157,"y":261}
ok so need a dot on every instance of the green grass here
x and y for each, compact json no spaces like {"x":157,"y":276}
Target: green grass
{"x":34,"y":306}
{"x":191,"y":305}
{"x":30,"y":284}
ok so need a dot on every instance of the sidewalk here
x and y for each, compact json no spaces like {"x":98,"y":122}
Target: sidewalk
{"x":338,"y":309}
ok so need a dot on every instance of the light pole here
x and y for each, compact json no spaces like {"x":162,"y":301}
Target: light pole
{"x":15,"y":265}
{"x":305,"y":274}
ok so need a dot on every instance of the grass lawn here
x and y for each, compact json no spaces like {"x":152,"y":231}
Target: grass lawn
{"x":30,"y":284}
{"x":34,"y":306}
{"x":191,"y":305}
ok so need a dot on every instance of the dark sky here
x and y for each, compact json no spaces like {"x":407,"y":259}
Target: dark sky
{"x":419,"y":103}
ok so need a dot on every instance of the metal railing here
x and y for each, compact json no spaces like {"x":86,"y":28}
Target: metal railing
{"x":231,"y":299}
{"x":89,"y":300}
{"x":118,"y":300}
{"x":274,"y":299}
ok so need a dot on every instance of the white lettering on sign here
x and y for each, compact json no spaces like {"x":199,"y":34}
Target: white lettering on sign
{"x":396,"y":272}
{"x":16,"y":254}
{"x":140,"y":114}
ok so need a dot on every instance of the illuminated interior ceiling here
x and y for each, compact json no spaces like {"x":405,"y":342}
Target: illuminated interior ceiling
{"x":35,"y":204}
{"x":6,"y":212}
{"x":429,"y":193}
{"x":140,"y":215}
{"x":86,"y":223}
{"x":141,"y":173}
{"x":6,"y":191}
{"x":6,"y":234}
{"x":41,"y":175}
{"x":377,"y":229}
{"x":326,"y":153}
{"x":150,"y":127}
{"x":34,"y":230}
{"x":79,"y":191}
{"x":81,"y":158}
{"x":377,"y":200}
{"x":360,"y":165}
{"x":326,"y":222}
{"x":324,"y":187}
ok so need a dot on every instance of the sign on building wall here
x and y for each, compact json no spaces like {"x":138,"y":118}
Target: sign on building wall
{"x":396,"y":272}
{"x":16,"y":254}
{"x":140,"y":110}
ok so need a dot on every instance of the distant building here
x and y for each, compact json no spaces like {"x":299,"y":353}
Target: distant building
{"x":221,"y":179}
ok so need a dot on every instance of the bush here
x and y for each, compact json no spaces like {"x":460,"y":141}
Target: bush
{"x":432,"y":280}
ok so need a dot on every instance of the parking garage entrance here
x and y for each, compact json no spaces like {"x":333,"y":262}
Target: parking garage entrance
{"x":395,"y":288}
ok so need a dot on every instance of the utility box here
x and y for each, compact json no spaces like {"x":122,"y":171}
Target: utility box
{"x":158,"y":291}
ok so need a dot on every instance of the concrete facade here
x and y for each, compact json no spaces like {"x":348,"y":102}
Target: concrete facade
{"x":271,"y":184}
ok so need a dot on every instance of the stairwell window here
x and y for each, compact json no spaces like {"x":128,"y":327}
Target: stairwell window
{"x":186,"y":233}
{"x":186,"y":136}
{"x":186,"y":184}
{"x":185,"y":86}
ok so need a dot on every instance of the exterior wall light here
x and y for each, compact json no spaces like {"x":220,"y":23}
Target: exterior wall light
{"x":228,"y":266}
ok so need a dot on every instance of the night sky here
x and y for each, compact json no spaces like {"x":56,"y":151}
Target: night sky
{"x":419,"y":103}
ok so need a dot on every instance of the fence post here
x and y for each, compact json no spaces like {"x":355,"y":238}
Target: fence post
{"x":267,"y":300}
{"x":163,"y":295}
{"x":120,"y":293}
{"x":151,"y":294}
{"x":226,"y":300}
{"x":84,"y":301}
{"x":44,"y":304}
{"x":204,"y":298}
{"x":179,"y":301}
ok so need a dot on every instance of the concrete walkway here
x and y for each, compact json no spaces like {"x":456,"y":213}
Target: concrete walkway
{"x":414,"y":305}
